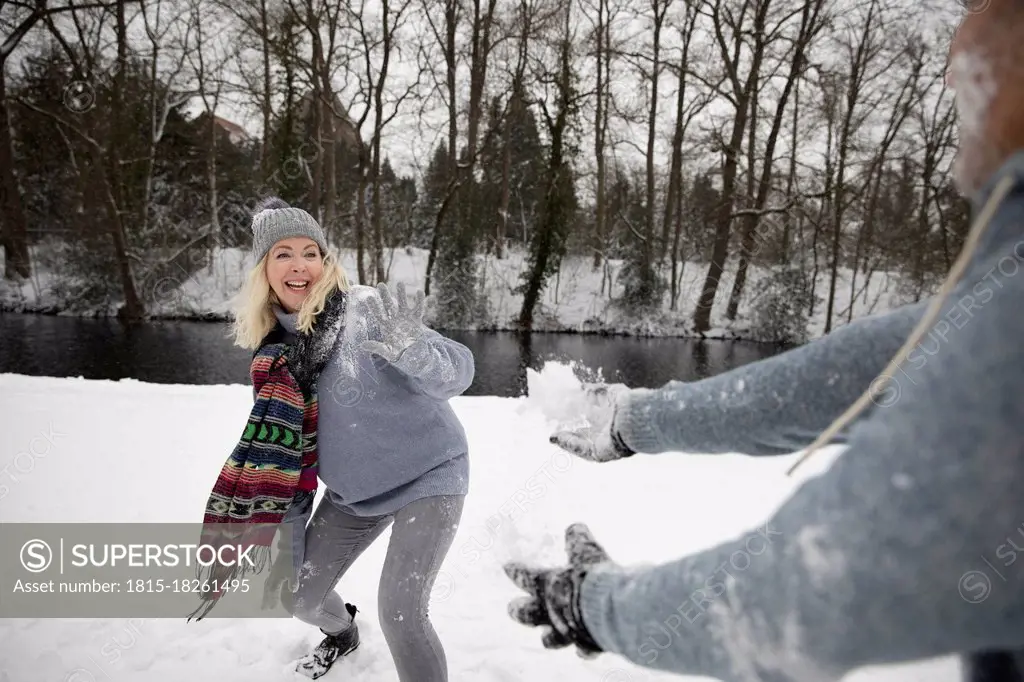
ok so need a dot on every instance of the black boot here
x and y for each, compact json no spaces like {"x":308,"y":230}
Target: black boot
{"x":333,"y":647}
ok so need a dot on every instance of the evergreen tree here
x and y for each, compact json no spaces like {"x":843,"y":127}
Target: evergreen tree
{"x":435,"y":187}
{"x":512,"y":130}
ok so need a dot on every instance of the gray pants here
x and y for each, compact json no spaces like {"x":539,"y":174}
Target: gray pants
{"x":422,"y":534}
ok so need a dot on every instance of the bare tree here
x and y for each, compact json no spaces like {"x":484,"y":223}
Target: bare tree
{"x":445,"y":37}
{"x":602,"y":16}
{"x":17,"y":19}
{"x":659,"y":9}
{"x":481,"y":44}
{"x":812,"y":20}
{"x":899,"y":110}
{"x":934,"y":123}
{"x":255,"y":24}
{"x":869,"y":61}
{"x":729,"y":26}
{"x":524,"y":21}
{"x":374,"y":86}
{"x":684,"y":115}
{"x":106,"y":145}
{"x":164,"y":94}
{"x":320,"y":20}
{"x":790,"y":217}
{"x":208,"y":62}
{"x":169,"y":37}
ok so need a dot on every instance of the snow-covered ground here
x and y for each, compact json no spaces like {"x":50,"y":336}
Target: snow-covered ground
{"x":111,"y":457}
{"x":572,"y":302}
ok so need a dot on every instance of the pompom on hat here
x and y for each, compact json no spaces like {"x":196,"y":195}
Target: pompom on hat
{"x":274,"y":220}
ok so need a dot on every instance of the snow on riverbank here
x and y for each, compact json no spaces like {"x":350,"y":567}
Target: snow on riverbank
{"x":572,"y":302}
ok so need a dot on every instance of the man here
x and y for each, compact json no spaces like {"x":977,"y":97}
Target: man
{"x":892,"y":555}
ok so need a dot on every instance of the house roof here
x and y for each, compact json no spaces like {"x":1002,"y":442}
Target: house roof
{"x":234,"y":130}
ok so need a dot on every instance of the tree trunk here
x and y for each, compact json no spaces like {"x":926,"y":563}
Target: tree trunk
{"x":839,"y":205}
{"x":550,"y":234}
{"x":600,"y":128}
{"x":115,"y":195}
{"x":378,"y":129}
{"x":674,"y":201}
{"x":450,"y":58}
{"x":265,"y":108}
{"x":506,"y":171}
{"x":330,"y":165}
{"x":378,"y":230}
{"x":837,"y":232}
{"x":318,"y":97}
{"x":875,"y":173}
{"x":361,"y":216}
{"x":809,"y":27}
{"x":677,"y":260}
{"x":318,"y":160}
{"x":481,"y":48}
{"x":927,"y":169}
{"x":676,"y":166}
{"x":825,"y":204}
{"x":723,"y":224}
{"x":792,"y":173}
{"x":434,"y":241}
{"x":723,"y":214}
{"x":17,"y":261}
{"x":864,"y":234}
{"x":211,"y":181}
{"x":660,"y":7}
{"x":750,"y":220}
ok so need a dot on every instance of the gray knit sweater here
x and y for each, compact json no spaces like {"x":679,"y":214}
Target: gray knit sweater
{"x":905,"y":548}
{"x":386,"y":433}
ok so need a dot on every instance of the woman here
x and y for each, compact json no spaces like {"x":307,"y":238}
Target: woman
{"x":389,"y":448}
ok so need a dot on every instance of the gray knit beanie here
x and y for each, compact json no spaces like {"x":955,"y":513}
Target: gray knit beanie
{"x":275,"y":220}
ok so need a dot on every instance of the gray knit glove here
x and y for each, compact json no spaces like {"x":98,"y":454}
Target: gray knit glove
{"x":598,"y":441}
{"x":400,"y":324}
{"x":554,"y":601}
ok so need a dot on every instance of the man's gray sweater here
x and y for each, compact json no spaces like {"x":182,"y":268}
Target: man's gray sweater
{"x":905,"y":548}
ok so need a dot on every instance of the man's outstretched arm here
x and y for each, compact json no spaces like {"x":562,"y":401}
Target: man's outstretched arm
{"x":771,"y":407}
{"x":906,"y":548}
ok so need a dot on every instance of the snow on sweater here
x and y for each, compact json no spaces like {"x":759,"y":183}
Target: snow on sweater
{"x":387,"y":435}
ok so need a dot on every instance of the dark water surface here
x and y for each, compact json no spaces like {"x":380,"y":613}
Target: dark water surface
{"x":186,"y":352}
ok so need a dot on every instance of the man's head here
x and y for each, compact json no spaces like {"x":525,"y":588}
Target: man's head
{"x":986,"y":71}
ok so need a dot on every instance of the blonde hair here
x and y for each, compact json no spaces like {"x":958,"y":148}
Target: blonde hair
{"x":253,"y":305}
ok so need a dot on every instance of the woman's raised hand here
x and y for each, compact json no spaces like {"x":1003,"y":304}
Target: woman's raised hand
{"x":400,"y":324}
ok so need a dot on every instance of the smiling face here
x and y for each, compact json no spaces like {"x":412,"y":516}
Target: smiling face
{"x":293,"y":266}
{"x":986,"y":72}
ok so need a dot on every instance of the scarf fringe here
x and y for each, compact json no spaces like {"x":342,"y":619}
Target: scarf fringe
{"x":220,"y":574}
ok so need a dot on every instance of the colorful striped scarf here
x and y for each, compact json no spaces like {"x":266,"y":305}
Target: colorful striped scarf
{"x":276,"y":456}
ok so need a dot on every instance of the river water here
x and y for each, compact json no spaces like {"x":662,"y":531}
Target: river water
{"x":194,"y":352}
